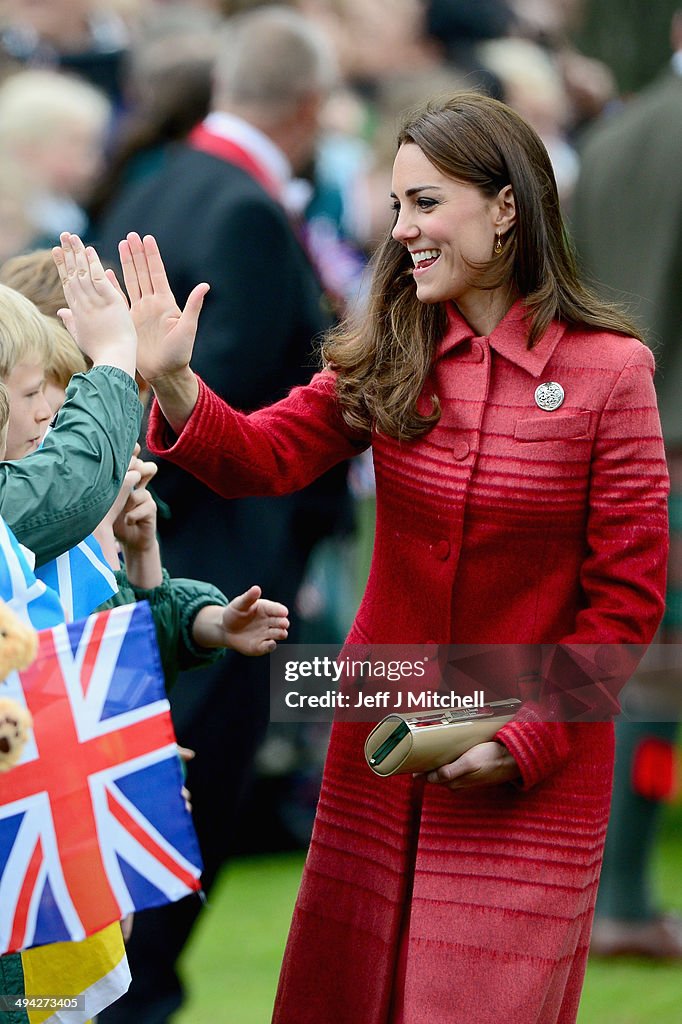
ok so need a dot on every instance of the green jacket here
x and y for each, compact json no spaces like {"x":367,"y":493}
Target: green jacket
{"x":53,"y":498}
{"x":174,"y":606}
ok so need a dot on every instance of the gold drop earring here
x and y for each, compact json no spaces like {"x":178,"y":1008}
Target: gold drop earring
{"x":498,"y":244}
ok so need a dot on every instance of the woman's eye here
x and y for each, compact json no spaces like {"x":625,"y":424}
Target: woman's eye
{"x":426,"y":204}
{"x":395,"y":206}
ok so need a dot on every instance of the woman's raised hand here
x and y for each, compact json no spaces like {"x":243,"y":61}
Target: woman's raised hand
{"x":97,"y":317}
{"x":165,"y":333}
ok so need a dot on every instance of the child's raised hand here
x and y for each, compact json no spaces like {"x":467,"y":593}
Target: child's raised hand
{"x":249,"y":624}
{"x":135,"y":525}
{"x":165,"y":332}
{"x":97,"y":317}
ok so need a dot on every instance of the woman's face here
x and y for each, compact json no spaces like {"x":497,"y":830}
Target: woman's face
{"x":442,"y":222}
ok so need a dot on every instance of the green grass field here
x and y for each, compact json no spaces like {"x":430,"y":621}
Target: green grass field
{"x":232,"y":965}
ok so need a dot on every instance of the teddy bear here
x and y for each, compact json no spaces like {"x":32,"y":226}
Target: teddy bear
{"x":18,"y":648}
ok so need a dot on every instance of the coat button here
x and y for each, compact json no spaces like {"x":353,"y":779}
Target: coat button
{"x":442,"y":549}
{"x":460,"y":449}
{"x":477,"y":353}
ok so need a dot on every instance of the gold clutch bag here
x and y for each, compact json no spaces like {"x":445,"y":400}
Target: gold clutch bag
{"x":424,"y":740}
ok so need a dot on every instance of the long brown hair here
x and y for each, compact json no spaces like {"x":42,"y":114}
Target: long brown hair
{"x":382,"y":359}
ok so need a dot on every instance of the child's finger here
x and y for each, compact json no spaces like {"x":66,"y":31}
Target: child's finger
{"x":66,"y":317}
{"x":68,"y":257}
{"x":131,"y":479}
{"x":60,"y":262}
{"x":274,"y":608}
{"x":140,"y":512}
{"x":148,"y":471}
{"x":246,"y":601}
{"x":111,"y":277}
{"x":97,"y":273}
{"x":85,"y":265}
{"x":129,"y":272}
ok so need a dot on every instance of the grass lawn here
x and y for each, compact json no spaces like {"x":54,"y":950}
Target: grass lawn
{"x":232,"y":965}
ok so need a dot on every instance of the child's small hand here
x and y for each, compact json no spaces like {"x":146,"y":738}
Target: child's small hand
{"x":165,"y":332}
{"x":138,"y":475}
{"x":98,"y":317}
{"x":249,"y":624}
{"x":135,"y":529}
{"x":135,"y":525}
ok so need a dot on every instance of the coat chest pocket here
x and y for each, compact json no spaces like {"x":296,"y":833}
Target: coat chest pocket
{"x":554,"y":428}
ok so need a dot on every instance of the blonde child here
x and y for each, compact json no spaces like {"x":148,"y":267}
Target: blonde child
{"x":25,"y":350}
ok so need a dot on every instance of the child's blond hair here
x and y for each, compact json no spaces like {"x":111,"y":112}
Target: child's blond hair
{"x":25,"y":332}
{"x":4,"y":418}
{"x":66,"y":358}
{"x":35,"y":275}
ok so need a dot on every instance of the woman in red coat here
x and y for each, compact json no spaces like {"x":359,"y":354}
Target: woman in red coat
{"x":521,"y":499}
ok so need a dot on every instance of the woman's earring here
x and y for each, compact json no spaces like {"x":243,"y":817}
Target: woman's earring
{"x":498,"y":244}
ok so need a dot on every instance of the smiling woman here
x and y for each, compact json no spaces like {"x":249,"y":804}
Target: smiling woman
{"x":521,"y":500}
{"x":449,"y":229}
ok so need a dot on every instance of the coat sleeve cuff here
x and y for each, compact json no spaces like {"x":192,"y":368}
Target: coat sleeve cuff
{"x":538,"y":747}
{"x":162,"y":440}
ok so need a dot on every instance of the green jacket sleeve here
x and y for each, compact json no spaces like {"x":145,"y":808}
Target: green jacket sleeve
{"x":174,"y":606}
{"x":55,"y":497}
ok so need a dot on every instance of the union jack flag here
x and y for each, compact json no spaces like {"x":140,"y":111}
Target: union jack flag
{"x":92,"y":823}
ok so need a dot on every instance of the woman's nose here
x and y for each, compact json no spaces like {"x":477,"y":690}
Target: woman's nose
{"x":404,"y":228}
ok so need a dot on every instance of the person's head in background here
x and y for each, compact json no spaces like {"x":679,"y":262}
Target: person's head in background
{"x":4,"y":418}
{"x":166,"y":90}
{"x":396,"y":94}
{"x":54,"y":127}
{"x":275,"y":69}
{"x":25,"y":351}
{"x":376,"y":39}
{"x":88,"y":38}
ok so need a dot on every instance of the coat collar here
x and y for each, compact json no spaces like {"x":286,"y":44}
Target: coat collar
{"x":509,"y":339}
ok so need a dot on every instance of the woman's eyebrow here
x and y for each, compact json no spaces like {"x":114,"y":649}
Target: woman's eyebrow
{"x":418,"y":188}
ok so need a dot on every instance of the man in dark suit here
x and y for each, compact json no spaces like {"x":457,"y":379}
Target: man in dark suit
{"x":627,"y":225}
{"x":221,"y":211}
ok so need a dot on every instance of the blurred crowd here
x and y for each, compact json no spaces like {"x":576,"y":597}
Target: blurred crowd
{"x":91,"y":92}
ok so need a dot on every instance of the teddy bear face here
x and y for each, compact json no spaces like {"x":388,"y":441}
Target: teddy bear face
{"x":15,"y":723}
{"x":18,"y":642}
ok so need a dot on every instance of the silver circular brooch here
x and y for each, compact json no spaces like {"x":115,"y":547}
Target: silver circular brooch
{"x":549,"y":396}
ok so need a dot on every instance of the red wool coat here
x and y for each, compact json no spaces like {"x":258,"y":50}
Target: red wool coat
{"x":506,"y":523}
